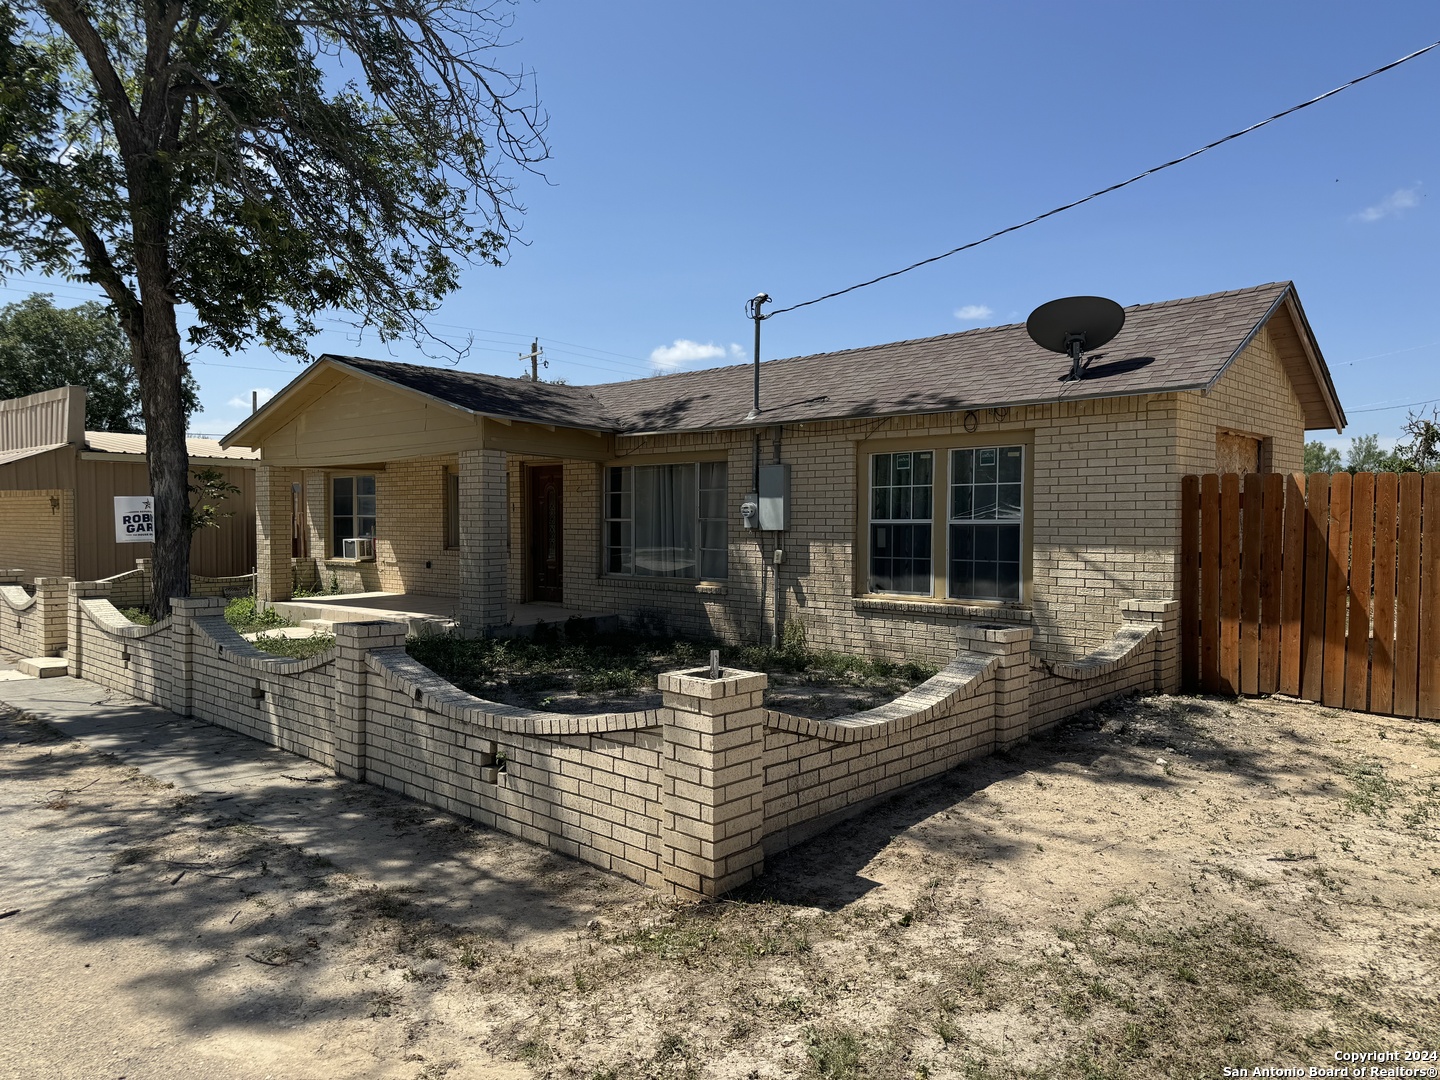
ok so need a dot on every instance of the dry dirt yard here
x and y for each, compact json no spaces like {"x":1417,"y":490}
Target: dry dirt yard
{"x":1163,"y":887}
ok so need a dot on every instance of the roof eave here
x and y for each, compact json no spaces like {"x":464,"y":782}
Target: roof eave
{"x":1291,"y":302}
{"x":1015,"y":403}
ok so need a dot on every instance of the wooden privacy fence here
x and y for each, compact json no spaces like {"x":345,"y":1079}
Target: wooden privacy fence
{"x":1324,"y":586}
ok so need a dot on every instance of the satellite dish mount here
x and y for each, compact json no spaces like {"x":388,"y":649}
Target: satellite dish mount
{"x":1074,"y":326}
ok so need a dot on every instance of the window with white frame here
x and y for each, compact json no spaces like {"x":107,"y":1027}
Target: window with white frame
{"x":970,"y":547}
{"x":986,"y":505}
{"x":901,"y":499}
{"x":352,"y":510}
{"x":666,"y":520}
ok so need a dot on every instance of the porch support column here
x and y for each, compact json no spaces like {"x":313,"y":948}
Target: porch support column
{"x":484,"y":532}
{"x":273,"y":510}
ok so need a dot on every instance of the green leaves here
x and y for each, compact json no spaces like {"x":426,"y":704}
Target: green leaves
{"x":288,"y":157}
{"x":42,"y":347}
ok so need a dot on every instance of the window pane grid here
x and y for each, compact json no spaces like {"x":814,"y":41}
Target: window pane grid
{"x":666,"y":520}
{"x":901,"y":504}
{"x":986,"y":508}
{"x":352,"y":510}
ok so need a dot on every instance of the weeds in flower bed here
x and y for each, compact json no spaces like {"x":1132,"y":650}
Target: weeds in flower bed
{"x":570,"y":660}
{"x":246,"y":618}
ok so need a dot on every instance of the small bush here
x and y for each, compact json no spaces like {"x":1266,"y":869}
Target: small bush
{"x":241,"y":613}
{"x":139,"y":616}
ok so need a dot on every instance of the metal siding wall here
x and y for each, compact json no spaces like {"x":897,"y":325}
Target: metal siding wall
{"x":97,"y":554}
{"x":230,"y":549}
{"x":221,"y":552}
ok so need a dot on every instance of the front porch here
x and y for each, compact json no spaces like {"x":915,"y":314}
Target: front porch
{"x":425,"y":614}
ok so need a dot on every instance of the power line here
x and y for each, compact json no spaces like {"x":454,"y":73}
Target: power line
{"x":1392,"y":408}
{"x":1113,"y":187}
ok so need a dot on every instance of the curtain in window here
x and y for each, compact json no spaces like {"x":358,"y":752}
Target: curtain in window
{"x":665,"y":510}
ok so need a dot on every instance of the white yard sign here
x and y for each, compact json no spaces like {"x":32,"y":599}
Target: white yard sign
{"x":134,"y":519}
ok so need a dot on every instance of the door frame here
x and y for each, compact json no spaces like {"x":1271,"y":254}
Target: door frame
{"x":529,"y":538}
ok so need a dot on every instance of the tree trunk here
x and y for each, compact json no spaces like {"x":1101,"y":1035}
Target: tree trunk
{"x":159,"y":362}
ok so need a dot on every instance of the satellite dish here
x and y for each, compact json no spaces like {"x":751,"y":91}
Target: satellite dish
{"x":1074,"y":325}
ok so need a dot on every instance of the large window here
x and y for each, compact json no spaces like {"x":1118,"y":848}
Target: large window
{"x":901,"y":496}
{"x":666,"y":520}
{"x":976,"y":542}
{"x":352,"y":510}
{"x":986,"y":485}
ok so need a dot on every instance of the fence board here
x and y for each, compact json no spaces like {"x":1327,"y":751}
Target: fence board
{"x":1317,"y":528}
{"x":1251,"y":511}
{"x":1382,"y":661}
{"x":1323,"y":586}
{"x":1429,"y":703}
{"x":1190,"y":580}
{"x":1292,"y":586}
{"x":1230,"y":582}
{"x":1337,"y":570}
{"x":1357,"y":631}
{"x":1272,"y":538}
{"x":1407,"y":598}
{"x":1210,"y":583}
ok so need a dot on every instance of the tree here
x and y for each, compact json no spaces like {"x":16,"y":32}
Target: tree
{"x":1421,"y":451}
{"x":258,"y":164}
{"x":1321,"y":458}
{"x":207,"y":491}
{"x":1365,"y":455}
{"x":43,"y":346}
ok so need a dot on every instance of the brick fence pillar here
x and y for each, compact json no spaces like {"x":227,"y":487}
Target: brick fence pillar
{"x":177,"y":690}
{"x":52,"y":607}
{"x":274,"y":506}
{"x":354,"y":640}
{"x":80,"y":590}
{"x":484,"y":537}
{"x":714,"y":793}
{"x":1164,"y":615}
{"x":1010,"y":645}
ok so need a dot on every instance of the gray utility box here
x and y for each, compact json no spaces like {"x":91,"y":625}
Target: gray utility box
{"x":774,"y":497}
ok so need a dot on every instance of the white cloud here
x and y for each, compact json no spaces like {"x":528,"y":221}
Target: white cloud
{"x":238,"y":402}
{"x":685,"y":351}
{"x":1393,"y":205}
{"x":973,"y":313}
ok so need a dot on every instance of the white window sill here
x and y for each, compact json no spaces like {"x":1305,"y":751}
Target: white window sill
{"x":695,"y":585}
{"x":337,"y":561}
{"x":928,"y":605}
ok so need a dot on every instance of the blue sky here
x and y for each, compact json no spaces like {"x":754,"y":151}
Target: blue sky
{"x":705,"y":152}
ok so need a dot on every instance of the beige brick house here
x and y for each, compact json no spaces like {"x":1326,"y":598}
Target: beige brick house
{"x":931,"y":484}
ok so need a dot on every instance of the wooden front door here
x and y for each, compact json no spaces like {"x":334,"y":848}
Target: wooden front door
{"x":547,"y":532}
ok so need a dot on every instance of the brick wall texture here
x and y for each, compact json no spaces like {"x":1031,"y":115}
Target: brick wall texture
{"x":35,"y":537}
{"x":688,"y":797}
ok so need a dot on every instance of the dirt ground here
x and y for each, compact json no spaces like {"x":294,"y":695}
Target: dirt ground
{"x":1164,"y":887}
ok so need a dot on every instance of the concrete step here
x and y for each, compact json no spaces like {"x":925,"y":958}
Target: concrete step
{"x":44,"y":667}
{"x":323,"y":626}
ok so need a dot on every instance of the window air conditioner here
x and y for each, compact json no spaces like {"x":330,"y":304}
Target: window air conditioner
{"x":358,"y":547}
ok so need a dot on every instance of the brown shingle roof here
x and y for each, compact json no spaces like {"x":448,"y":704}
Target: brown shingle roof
{"x":1175,"y":345}
{"x":495,"y":395}
{"x":1170,"y":346}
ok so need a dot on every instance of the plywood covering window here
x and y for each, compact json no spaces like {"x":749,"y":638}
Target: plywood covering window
{"x":1236,"y":453}
{"x":352,"y":510}
{"x":666,"y":520}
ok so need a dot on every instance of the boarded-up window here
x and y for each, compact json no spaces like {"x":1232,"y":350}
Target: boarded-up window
{"x":1236,"y":453}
